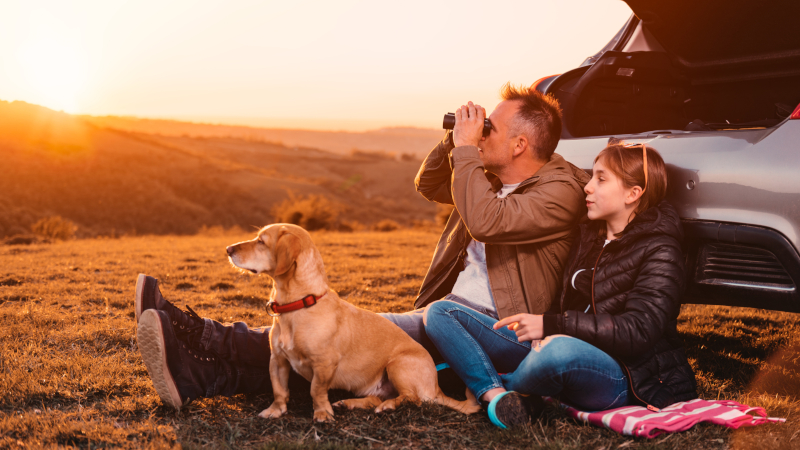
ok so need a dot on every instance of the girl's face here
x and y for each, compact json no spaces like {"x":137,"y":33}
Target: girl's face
{"x":607,"y":198}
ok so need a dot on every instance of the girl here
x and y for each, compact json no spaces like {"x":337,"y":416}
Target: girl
{"x":613,"y":340}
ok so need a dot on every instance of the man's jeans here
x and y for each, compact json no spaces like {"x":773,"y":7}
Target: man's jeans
{"x":245,"y":350}
{"x":580,"y":373}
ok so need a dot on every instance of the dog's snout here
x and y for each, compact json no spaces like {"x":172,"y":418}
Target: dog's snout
{"x":230,"y":250}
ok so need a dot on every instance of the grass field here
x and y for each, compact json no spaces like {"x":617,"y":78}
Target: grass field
{"x":71,"y":374}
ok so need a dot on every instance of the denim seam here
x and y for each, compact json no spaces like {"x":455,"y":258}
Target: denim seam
{"x":591,"y":369}
{"x":624,"y":391}
{"x":517,"y":342}
{"x":496,"y":382}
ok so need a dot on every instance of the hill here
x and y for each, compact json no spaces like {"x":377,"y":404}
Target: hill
{"x":397,"y":141}
{"x":111,"y":181}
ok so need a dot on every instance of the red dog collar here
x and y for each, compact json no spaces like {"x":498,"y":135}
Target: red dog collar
{"x":275,"y":310}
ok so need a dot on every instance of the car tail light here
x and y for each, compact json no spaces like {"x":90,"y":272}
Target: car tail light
{"x":796,"y":113}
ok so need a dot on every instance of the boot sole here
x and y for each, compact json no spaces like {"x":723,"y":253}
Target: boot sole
{"x":150,"y":336}
{"x":139,"y":292}
{"x":509,"y":410}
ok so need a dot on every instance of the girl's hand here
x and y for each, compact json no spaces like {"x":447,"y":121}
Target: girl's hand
{"x":529,"y":327}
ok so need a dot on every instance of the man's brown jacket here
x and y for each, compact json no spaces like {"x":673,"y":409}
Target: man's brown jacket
{"x":527,"y":235}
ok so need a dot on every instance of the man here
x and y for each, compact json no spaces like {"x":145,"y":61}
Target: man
{"x":502,"y":252}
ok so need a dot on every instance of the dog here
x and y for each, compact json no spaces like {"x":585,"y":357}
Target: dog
{"x":330,"y":342}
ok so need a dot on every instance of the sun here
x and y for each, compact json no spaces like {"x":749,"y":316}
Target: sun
{"x":55,"y":73}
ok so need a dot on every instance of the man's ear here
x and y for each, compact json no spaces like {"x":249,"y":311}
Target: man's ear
{"x":286,"y":252}
{"x":522,"y":144}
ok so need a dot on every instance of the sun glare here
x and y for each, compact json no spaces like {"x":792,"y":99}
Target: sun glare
{"x":55,"y":73}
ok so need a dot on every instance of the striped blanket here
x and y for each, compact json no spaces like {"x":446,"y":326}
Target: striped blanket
{"x":640,"y":421}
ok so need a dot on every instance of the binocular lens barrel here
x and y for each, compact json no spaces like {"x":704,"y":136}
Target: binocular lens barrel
{"x":450,"y":121}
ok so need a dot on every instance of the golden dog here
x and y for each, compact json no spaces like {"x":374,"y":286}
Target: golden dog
{"x":330,"y":342}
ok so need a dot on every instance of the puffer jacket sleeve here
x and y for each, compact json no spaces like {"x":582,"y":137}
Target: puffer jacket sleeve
{"x":433,"y":180}
{"x":653,"y":301}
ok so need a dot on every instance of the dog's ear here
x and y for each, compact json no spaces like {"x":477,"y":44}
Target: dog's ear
{"x":286,"y":252}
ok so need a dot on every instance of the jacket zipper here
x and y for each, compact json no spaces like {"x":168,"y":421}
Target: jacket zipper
{"x":624,"y":366}
{"x":630,"y":380}
{"x":594,"y":271}
{"x":569,"y":270}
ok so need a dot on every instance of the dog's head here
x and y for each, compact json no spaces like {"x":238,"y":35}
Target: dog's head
{"x":276,"y":250}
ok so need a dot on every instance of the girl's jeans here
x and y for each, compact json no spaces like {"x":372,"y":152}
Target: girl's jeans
{"x":560,"y":365}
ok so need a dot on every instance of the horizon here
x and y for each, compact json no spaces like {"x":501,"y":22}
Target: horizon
{"x":349,"y":66}
{"x":283,"y":124}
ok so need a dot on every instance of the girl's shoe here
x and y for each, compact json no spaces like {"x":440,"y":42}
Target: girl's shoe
{"x":512,"y":408}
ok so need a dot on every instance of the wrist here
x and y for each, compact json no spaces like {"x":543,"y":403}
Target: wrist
{"x":551,"y":324}
{"x":463,"y":142}
{"x":465,"y":152}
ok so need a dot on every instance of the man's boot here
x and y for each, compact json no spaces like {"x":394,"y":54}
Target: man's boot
{"x":148,"y":296}
{"x":180,"y":372}
{"x":183,"y":366}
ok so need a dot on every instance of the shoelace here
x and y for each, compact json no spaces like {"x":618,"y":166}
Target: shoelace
{"x":188,"y":327}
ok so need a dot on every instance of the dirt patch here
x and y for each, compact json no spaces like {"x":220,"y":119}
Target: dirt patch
{"x":248,"y":299}
{"x":11,"y":282}
{"x":369,"y":255}
{"x":222,"y":286}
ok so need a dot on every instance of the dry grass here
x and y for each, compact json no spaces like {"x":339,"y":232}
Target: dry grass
{"x":71,"y":375}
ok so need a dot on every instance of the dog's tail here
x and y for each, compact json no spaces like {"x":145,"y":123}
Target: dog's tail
{"x":468,"y":406}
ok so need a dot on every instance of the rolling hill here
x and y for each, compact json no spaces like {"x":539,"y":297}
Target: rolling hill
{"x":414,"y":142}
{"x":111,"y":181}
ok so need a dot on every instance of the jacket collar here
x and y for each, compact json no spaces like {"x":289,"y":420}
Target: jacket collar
{"x":661,"y":219}
{"x":557,"y":166}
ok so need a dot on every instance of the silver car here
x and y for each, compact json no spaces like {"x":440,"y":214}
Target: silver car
{"x":714,"y":86}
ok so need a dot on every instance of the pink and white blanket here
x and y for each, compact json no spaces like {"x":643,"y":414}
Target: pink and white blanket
{"x":642,"y":422}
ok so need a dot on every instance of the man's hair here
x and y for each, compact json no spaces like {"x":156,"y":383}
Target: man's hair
{"x":538,"y":118}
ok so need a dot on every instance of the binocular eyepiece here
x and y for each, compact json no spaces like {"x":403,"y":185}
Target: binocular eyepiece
{"x":450,"y":121}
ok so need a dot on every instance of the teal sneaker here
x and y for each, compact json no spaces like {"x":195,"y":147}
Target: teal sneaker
{"x":511,"y":409}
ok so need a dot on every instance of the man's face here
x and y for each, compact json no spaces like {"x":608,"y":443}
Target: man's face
{"x":498,"y":148}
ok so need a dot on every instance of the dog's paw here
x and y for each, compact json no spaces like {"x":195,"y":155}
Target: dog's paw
{"x":323,"y":416}
{"x":350,"y":403}
{"x":388,"y":405}
{"x":271,"y":413}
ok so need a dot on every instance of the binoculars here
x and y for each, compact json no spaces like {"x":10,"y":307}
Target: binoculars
{"x":450,"y":121}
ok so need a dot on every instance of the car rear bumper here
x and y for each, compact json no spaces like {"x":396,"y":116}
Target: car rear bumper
{"x":741,"y":265}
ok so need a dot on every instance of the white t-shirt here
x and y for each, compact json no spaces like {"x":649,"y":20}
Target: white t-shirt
{"x":473,"y":282}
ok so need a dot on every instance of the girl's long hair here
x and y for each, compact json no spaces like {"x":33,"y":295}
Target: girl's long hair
{"x":628,"y":163}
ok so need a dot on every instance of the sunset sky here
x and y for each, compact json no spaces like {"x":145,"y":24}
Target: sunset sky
{"x":342,"y":64}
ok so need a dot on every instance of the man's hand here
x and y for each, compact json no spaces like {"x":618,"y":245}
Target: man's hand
{"x":529,"y":327}
{"x":469,"y":125}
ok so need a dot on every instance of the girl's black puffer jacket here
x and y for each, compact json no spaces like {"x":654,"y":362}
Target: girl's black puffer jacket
{"x":638,"y":282}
